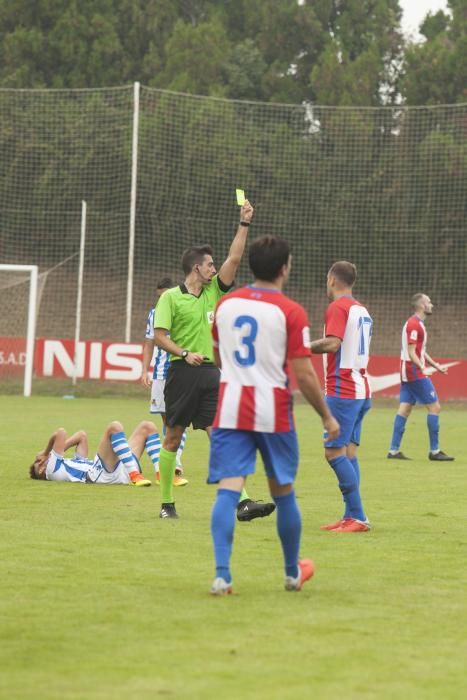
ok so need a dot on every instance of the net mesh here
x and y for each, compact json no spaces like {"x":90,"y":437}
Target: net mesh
{"x":382,"y":187}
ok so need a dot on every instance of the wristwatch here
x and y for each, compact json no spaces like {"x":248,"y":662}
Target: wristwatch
{"x":184,"y":354}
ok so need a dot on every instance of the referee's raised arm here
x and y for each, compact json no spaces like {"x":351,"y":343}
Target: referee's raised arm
{"x":229,"y":268}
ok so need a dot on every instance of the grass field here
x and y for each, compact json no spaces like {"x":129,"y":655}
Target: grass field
{"x":102,"y":600}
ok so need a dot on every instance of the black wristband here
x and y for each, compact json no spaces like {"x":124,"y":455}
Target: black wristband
{"x":244,"y":223}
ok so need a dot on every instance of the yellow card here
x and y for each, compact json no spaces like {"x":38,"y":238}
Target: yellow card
{"x":240,"y":197}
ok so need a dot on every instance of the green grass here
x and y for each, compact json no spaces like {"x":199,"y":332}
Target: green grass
{"x":102,"y":600}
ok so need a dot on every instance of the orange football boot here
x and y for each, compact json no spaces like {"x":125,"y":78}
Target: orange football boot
{"x":353,"y":525}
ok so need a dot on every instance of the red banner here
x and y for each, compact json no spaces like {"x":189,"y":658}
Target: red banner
{"x":12,"y":356}
{"x":104,"y":360}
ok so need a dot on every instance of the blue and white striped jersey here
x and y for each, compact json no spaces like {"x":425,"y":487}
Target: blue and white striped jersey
{"x":61,"y":468}
{"x":161,"y":358}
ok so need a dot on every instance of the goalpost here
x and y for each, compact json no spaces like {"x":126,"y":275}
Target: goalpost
{"x":30,"y":271}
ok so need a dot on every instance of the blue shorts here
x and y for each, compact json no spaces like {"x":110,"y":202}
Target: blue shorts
{"x":349,"y":413}
{"x":419,"y":391}
{"x":233,"y":453}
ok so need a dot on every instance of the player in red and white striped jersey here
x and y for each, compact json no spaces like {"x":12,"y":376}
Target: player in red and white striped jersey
{"x":257,"y":332}
{"x":416,"y":387}
{"x":346,"y":344}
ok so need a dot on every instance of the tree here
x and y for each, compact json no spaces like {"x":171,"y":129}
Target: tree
{"x":435,"y":71}
{"x":359,"y":63}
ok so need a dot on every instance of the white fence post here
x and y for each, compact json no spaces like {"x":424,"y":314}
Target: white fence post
{"x":131,"y":244}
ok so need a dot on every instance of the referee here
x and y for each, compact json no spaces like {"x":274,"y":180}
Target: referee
{"x":186,"y":313}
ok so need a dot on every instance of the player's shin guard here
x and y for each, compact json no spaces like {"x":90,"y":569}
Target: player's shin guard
{"x":153,"y":448}
{"x":289,"y":528}
{"x":122,"y":449}
{"x":349,"y":487}
{"x":398,"y":432}
{"x":180,"y":450}
{"x":167,"y":471}
{"x":222,"y":529}
{"x":432,"y":421}
{"x":356,"y":467}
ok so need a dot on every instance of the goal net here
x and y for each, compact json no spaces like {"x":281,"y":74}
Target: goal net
{"x":19,"y":302}
{"x":382,"y":187}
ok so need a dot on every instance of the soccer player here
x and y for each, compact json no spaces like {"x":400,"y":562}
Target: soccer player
{"x":156,"y":380}
{"x":186,"y":313}
{"x":416,"y":387}
{"x":257,"y":332}
{"x":346,"y":344}
{"x":116,"y":461}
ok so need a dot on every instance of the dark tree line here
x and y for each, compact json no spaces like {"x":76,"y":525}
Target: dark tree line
{"x":335,"y":52}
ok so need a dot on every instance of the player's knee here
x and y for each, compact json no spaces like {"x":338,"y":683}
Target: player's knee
{"x":435,"y":408}
{"x":332,"y":453}
{"x":147,"y":427}
{"x":115,"y":427}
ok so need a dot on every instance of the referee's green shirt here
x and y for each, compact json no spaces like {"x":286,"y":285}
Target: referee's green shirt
{"x":189,"y":318}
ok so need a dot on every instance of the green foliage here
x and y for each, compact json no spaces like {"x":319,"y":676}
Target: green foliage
{"x":436,"y":70}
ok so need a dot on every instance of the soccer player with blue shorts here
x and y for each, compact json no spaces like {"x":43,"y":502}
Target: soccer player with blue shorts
{"x":416,"y":387}
{"x":156,"y":380}
{"x":116,"y":460}
{"x":346,"y":344}
{"x":257,"y":332}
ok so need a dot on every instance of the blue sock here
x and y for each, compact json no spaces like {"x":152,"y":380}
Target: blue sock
{"x":432,"y":421}
{"x":153,"y":448}
{"x":398,"y":432}
{"x":356,"y":467}
{"x":289,"y":528}
{"x":348,"y":485}
{"x":123,"y":451}
{"x":222,"y":530}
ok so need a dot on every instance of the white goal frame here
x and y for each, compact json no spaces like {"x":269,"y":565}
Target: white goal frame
{"x":33,"y":271}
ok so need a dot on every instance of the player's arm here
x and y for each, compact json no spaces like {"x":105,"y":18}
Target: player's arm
{"x":330,"y":343}
{"x":56,"y":443}
{"x":229,"y":268}
{"x":148,"y":352}
{"x":78,"y":440}
{"x":166,"y":343}
{"x":414,"y":358}
{"x":435,"y":364}
{"x":309,"y":386}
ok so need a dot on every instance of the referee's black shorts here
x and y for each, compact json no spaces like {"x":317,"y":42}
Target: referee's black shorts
{"x":190,"y":394}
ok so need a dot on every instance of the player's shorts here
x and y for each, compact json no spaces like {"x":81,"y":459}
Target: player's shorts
{"x":349,"y":413}
{"x":418,"y":391}
{"x":233,"y":453}
{"x":191,"y":394}
{"x":100,"y":473}
{"x":157,"y":396}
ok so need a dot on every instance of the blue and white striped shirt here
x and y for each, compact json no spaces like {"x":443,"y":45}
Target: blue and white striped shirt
{"x":161,"y":358}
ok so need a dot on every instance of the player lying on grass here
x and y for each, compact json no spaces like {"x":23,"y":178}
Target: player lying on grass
{"x":116,"y":461}
{"x":254,"y":412}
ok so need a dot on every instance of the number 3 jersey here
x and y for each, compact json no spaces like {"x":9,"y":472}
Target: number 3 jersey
{"x":256,"y":332}
{"x":345,"y":370}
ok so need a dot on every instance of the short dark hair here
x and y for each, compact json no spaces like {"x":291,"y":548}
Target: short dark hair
{"x":194,"y":256}
{"x":267,"y":256}
{"x":32,"y":472}
{"x":165,"y":283}
{"x":416,"y":299}
{"x":345,"y":272}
